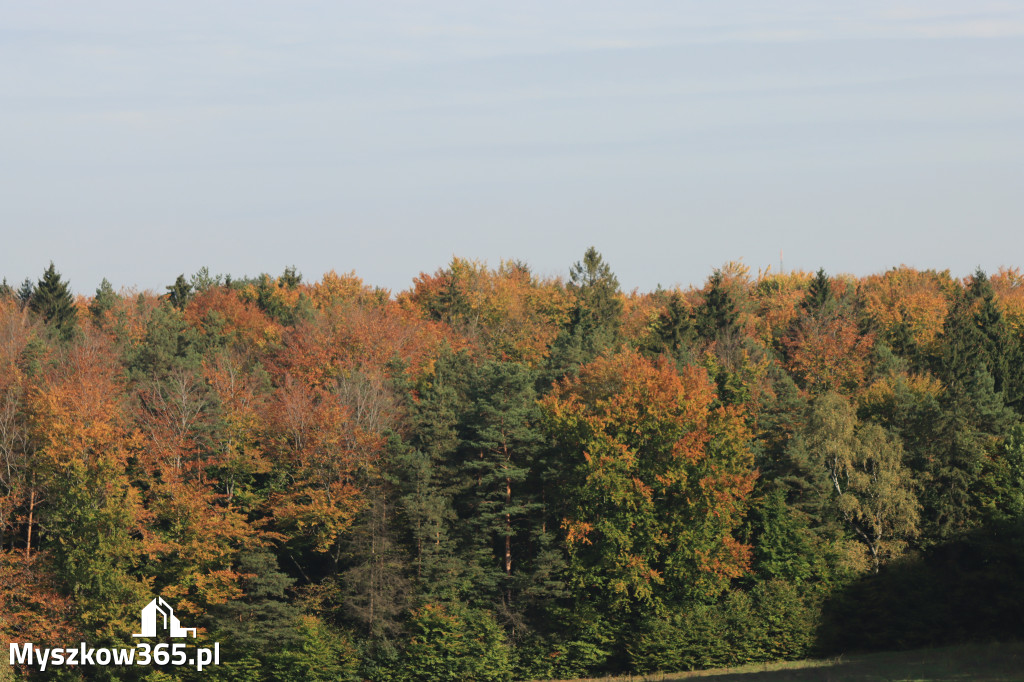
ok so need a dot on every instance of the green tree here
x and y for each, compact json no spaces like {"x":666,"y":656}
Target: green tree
{"x":819,"y":299}
{"x":594,"y":319}
{"x":427,"y":478}
{"x":856,"y":472}
{"x":179,"y":293}
{"x":52,"y":299}
{"x":958,"y":478}
{"x":262,"y":614}
{"x":717,"y":315}
{"x":501,"y":442}
{"x":25,"y":292}
{"x":452,"y":642}
{"x":103,"y":300}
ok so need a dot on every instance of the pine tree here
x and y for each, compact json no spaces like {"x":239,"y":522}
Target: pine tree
{"x":25,"y":292}
{"x":959,"y":480}
{"x":290,"y":279}
{"x":594,"y":320}
{"x":673,"y":332}
{"x":103,"y":301}
{"x":819,"y":298}
{"x":262,"y":615}
{"x":717,"y":316}
{"x":52,"y":299}
{"x":426,"y":470}
{"x":501,"y":442}
{"x":178,"y":294}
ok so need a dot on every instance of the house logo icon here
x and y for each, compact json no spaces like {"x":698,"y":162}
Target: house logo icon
{"x":159,"y":613}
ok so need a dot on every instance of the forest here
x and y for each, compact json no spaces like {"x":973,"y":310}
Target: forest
{"x":494,"y":475}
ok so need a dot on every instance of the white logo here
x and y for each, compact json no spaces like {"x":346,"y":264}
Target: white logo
{"x":143,"y":653}
{"x":169,"y":620}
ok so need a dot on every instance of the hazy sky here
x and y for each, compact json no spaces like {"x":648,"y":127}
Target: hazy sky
{"x":142,"y":140}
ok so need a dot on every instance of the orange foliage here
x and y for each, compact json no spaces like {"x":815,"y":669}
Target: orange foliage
{"x":509,"y":312}
{"x":827,"y":354}
{"x":77,"y":412}
{"x":1008,"y":284}
{"x":316,"y":435}
{"x":911,"y":298}
{"x":334,"y":290}
{"x":651,"y":490}
{"x":639,"y":313}
{"x":221,"y":310}
{"x":778,"y":298}
{"x":31,"y":607}
{"x":359,"y":338}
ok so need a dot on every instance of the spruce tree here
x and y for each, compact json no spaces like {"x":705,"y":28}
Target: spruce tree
{"x":717,"y":315}
{"x":594,"y":320}
{"x":52,"y":299}
{"x":103,"y":301}
{"x":819,"y":296}
{"x":500,"y":444}
{"x":25,"y":292}
{"x":427,"y":479}
{"x":959,"y":480}
{"x":179,"y":293}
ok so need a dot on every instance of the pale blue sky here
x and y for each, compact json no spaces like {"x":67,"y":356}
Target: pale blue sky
{"x":141,"y":140}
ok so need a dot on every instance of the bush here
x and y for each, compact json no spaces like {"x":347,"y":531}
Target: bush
{"x":454,"y":642}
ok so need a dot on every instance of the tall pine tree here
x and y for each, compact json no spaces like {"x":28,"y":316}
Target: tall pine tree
{"x":52,"y":299}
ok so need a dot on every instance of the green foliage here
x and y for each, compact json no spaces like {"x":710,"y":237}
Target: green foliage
{"x":528,"y":479}
{"x":53,"y":301}
{"x":717,"y":315}
{"x":88,"y":524}
{"x":25,"y":292}
{"x":672,"y":332}
{"x":770,"y":623}
{"x":103,"y":300}
{"x":323,"y":654}
{"x":262,"y":614}
{"x":453,"y":642}
{"x":179,"y":293}
{"x":853,"y":474}
{"x":595,"y":318}
{"x":819,"y":298}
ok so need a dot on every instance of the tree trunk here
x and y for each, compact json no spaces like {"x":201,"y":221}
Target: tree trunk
{"x":31,"y":513}
{"x":508,"y":527}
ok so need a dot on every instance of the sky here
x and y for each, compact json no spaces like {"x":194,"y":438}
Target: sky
{"x":139,"y":141}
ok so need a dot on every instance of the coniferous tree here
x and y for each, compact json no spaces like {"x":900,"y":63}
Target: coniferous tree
{"x":819,"y":298}
{"x":594,"y":319}
{"x":52,"y":299}
{"x":673,"y":331}
{"x":103,"y":301}
{"x":25,"y":292}
{"x":501,"y":442}
{"x":178,"y":294}
{"x":959,"y":479}
{"x":427,"y":480}
{"x":261,"y":615}
{"x":717,"y":315}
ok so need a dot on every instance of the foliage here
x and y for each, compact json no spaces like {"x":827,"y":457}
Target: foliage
{"x":497,"y":475}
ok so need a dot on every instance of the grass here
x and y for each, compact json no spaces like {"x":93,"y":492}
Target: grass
{"x":989,"y":662}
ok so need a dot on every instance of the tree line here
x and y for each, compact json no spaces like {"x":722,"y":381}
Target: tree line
{"x":495,"y":476}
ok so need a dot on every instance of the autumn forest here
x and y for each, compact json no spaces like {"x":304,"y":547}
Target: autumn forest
{"x":494,"y":475}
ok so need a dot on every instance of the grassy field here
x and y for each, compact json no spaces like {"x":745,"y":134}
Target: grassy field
{"x":992,"y":662}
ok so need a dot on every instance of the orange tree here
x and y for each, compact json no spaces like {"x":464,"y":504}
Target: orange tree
{"x":657,"y":482}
